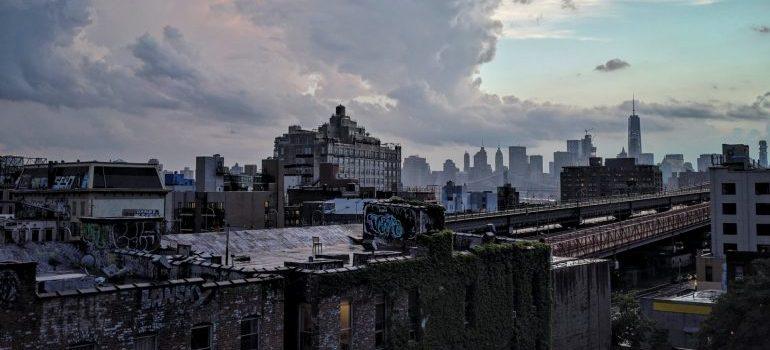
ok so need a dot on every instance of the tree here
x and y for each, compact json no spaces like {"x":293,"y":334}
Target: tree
{"x":631,"y":329}
{"x":740,"y":319}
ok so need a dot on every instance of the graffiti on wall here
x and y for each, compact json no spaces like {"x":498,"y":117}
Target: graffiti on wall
{"x":135,"y":235}
{"x":392,"y":222}
{"x":180,"y":294}
{"x":9,"y":288}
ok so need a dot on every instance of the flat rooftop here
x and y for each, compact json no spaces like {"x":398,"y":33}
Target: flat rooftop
{"x":270,"y":248}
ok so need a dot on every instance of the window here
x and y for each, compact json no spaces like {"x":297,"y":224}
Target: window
{"x":74,"y":210}
{"x":729,"y":228}
{"x":82,"y":208}
{"x":147,"y":342}
{"x":763,"y":229}
{"x":469,"y":306}
{"x":35,"y":235}
{"x":48,"y":234}
{"x":380,"y":322}
{"x":345,"y":324}
{"x":709,"y":274}
{"x":763,"y":208}
{"x":414,"y":315}
{"x":200,"y":337}
{"x":761,"y":188}
{"x":88,"y":346}
{"x":728,"y":188}
{"x":250,"y":333}
{"x":306,"y":325}
{"x":729,"y":247}
{"x":729,"y":208}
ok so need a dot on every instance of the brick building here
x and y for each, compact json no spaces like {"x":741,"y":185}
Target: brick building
{"x":296,"y":288}
{"x":618,"y":176}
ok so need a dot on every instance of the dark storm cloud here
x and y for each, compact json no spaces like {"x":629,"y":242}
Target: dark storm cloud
{"x":612,"y":65}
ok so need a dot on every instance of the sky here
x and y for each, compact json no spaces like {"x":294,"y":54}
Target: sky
{"x":133,"y":80}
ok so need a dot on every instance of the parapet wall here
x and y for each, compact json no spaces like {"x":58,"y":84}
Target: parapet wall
{"x":581,"y":304}
{"x":113,"y":317}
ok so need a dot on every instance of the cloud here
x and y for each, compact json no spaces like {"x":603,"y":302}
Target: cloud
{"x":761,"y":29}
{"x":84,"y":81}
{"x":612,"y":65}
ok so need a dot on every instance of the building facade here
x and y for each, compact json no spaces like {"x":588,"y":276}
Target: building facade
{"x":340,"y":141}
{"x":619,"y":176}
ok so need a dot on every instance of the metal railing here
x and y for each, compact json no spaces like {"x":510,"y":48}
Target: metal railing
{"x":583,"y":203}
{"x":599,"y":239}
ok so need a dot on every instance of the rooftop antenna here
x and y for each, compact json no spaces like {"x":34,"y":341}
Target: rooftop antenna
{"x":633,"y":104}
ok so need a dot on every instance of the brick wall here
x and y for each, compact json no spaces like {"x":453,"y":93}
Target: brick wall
{"x":113,"y":317}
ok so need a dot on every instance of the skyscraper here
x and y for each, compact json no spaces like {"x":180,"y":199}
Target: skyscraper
{"x":634,"y":133}
{"x":499,"y":160}
{"x":518,"y":164}
{"x":763,"y":153}
{"x":466,"y":162}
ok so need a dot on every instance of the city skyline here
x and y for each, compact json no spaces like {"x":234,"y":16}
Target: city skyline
{"x":85,"y":82}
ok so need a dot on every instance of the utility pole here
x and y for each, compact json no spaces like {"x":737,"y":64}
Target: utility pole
{"x":227,"y":244}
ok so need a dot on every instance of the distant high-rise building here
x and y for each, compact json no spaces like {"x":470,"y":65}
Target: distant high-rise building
{"x":518,"y":164}
{"x":763,"y":153}
{"x":236,"y":169}
{"x":634,"y":133}
{"x":646,"y":159}
{"x":587,"y":149}
{"x":480,"y":158}
{"x":250,"y":169}
{"x":415,"y":172}
{"x":573,"y":147}
{"x":210,"y":173}
{"x":705,"y":161}
{"x":536,"y":167}
{"x":466,"y":162}
{"x":499,"y":160}
{"x":450,"y":170}
{"x":623,"y":153}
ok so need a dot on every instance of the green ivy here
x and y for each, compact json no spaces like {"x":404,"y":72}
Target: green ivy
{"x":511,"y":286}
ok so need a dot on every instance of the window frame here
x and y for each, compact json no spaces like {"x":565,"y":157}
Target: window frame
{"x":346,"y":333}
{"x":733,"y":206}
{"x":154,"y":338}
{"x":726,"y":188}
{"x":732,"y":224}
{"x":254,"y":335}
{"x":765,"y":209}
{"x":764,"y":228}
{"x":210,"y":336}
{"x":762,"y":188}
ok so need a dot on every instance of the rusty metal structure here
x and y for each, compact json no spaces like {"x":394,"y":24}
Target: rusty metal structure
{"x":570,"y":213}
{"x":606,"y":240}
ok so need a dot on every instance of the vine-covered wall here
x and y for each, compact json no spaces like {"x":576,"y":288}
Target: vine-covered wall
{"x":509,"y":286}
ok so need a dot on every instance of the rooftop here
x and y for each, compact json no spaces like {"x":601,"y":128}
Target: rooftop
{"x":271,"y":248}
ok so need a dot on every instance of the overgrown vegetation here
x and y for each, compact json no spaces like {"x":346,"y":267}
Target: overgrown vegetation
{"x":741,"y":317}
{"x":511,"y":288}
{"x":630,"y":329}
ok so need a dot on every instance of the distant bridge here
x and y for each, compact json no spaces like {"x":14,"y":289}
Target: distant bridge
{"x":606,"y":240}
{"x":570,"y":214}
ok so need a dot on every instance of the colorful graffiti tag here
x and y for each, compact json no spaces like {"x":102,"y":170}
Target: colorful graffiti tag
{"x":385,"y":221}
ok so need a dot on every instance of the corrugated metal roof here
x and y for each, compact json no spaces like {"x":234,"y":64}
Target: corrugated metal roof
{"x":272,"y":247}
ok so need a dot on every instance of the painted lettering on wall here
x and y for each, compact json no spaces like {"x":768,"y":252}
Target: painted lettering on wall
{"x":181,"y":294}
{"x":384,"y":221}
{"x":135,"y":235}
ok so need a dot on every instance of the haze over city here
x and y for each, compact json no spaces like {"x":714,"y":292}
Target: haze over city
{"x":90,"y":79}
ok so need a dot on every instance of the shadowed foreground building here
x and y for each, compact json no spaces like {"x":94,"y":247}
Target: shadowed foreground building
{"x":296,"y":288}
